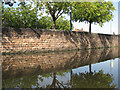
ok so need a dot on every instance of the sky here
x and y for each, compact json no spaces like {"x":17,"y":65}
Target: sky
{"x":107,"y":28}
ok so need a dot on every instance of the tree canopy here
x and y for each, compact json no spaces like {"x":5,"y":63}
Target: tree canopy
{"x":99,"y":12}
{"x":46,"y":22}
{"x":20,"y":17}
{"x":24,"y":16}
{"x":55,"y":9}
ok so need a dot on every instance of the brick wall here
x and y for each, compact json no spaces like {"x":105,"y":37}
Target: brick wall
{"x":14,"y":40}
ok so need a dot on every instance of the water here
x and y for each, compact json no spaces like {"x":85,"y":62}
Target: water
{"x":74,"y":69}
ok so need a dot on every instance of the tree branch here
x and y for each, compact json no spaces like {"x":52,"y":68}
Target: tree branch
{"x":59,"y":15}
{"x":49,"y":9}
{"x":60,"y":83}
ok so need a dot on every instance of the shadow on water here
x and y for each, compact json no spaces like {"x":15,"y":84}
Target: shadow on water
{"x":45,"y":70}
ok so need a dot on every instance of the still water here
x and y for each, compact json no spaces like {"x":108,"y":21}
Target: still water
{"x":73,"y":69}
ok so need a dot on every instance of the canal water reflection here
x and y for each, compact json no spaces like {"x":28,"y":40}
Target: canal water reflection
{"x":72,"y":69}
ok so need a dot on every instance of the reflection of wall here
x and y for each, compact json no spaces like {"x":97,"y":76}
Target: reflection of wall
{"x":119,"y":45}
{"x":50,"y":62}
{"x":119,"y":73}
{"x":44,"y":40}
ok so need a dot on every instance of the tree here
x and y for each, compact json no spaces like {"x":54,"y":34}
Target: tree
{"x":24,"y":16}
{"x":56,"y":9}
{"x":45,"y":22}
{"x":20,"y":17}
{"x":63,"y":24}
{"x":98,"y":12}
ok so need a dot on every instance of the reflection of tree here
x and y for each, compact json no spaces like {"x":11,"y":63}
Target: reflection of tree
{"x":71,"y":74}
{"x":32,"y":80}
{"x":55,"y":83}
{"x":81,"y":80}
{"x":23,"y":82}
{"x":92,"y":80}
{"x":90,"y":68}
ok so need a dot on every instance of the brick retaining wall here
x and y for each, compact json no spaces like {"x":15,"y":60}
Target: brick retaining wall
{"x":14,"y":40}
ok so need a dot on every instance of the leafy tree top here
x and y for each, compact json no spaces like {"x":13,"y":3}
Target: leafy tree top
{"x":99,"y":12}
{"x":55,"y":9}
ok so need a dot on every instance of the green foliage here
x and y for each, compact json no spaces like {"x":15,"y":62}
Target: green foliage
{"x":55,"y":9}
{"x":24,"y":16}
{"x":20,"y":17}
{"x":99,"y":12}
{"x":45,"y":22}
{"x":63,"y":24}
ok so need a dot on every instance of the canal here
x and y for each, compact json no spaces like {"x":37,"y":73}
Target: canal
{"x":92,"y":68}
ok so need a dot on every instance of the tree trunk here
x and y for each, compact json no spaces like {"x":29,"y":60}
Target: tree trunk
{"x":54,"y":24}
{"x":70,"y":21}
{"x":90,"y":27}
